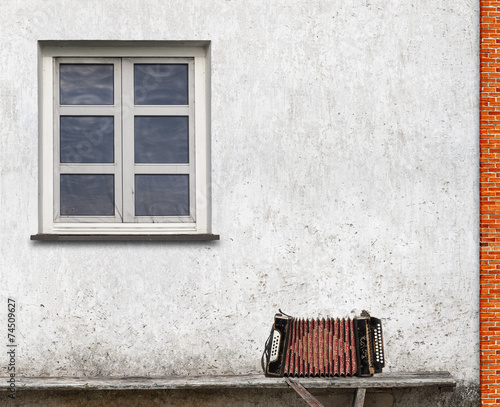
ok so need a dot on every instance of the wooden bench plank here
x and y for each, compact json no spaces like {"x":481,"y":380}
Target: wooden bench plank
{"x":381,"y":380}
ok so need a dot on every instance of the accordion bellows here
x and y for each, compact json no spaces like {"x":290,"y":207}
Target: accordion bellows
{"x":325,"y":347}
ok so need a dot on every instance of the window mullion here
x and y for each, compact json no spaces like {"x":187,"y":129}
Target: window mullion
{"x":128,"y":139}
{"x":118,"y":140}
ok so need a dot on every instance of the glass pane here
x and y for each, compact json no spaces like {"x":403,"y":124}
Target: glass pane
{"x":161,"y":139}
{"x":162,"y":195}
{"x":86,"y":84}
{"x":87,"y":139}
{"x":161,"y":84}
{"x":87,"y":195}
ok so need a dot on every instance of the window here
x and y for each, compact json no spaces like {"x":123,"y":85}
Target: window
{"x":124,"y":138}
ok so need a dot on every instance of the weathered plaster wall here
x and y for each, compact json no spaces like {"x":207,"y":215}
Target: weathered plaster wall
{"x":344,"y":155}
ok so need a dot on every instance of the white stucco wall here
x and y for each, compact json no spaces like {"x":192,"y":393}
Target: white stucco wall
{"x":345,"y":177}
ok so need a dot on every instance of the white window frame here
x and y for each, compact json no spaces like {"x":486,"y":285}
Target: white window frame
{"x":197,"y":53}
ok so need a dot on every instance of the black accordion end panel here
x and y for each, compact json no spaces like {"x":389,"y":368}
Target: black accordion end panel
{"x":325,"y":347}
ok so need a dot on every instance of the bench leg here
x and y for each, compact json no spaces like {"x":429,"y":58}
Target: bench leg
{"x":308,"y":397}
{"x":359,"y":398}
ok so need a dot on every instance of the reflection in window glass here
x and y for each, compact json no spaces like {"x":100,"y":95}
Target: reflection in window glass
{"x":86,"y":139}
{"x":162,"y":195}
{"x":87,"y":195}
{"x":161,"y":139}
{"x":161,"y":84}
{"x":86,"y":84}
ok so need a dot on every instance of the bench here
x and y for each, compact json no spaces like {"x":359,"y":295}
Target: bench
{"x":442,"y":380}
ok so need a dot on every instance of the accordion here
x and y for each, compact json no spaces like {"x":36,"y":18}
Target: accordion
{"x":325,"y":347}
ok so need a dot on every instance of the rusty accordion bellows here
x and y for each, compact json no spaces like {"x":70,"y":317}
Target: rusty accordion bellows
{"x":325,"y":347}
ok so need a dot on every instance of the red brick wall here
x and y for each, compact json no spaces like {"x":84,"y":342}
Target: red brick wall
{"x":490,"y":202}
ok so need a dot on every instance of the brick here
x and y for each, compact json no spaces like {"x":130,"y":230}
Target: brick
{"x":489,"y":135}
